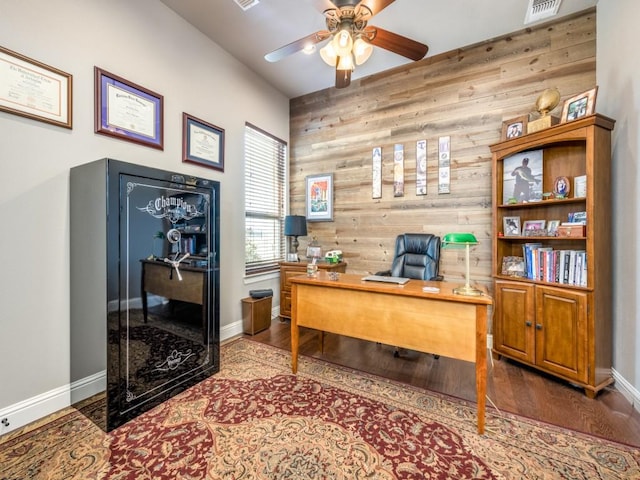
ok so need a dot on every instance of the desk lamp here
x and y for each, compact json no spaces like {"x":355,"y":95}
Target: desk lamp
{"x":295,"y":226}
{"x":462,"y":240}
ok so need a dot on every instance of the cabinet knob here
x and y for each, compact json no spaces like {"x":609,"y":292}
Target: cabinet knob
{"x":538,"y":326}
{"x":528,"y":323}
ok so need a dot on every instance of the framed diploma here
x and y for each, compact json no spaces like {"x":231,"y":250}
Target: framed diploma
{"x":202,"y":143}
{"x":127,"y":111}
{"x":34,"y":90}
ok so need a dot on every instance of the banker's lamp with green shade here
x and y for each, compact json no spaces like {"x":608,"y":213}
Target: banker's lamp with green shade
{"x":462,"y":240}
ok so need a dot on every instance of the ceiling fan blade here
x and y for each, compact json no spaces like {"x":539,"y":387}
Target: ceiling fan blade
{"x":376,"y":6}
{"x":296,"y":46}
{"x":324,"y":5}
{"x":396,"y":43}
{"x":343,"y":78}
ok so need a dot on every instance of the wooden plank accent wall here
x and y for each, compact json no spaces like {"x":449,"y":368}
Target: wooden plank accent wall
{"x":465,"y":94}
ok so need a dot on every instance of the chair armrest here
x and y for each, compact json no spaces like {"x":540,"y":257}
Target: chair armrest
{"x":385,"y":273}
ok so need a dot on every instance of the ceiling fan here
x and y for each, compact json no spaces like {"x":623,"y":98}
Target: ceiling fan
{"x":352,"y":39}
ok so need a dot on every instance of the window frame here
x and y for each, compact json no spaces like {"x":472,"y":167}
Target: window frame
{"x":273,"y":211}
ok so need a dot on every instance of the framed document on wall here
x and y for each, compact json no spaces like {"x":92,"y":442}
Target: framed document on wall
{"x":34,"y":90}
{"x":202,"y":143}
{"x":128,"y":111}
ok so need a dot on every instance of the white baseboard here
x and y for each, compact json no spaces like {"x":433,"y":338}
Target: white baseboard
{"x":88,"y":386}
{"x":29,"y":410}
{"x":22,"y":413}
{"x":627,"y":390}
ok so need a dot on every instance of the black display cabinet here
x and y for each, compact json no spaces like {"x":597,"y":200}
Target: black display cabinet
{"x":144,"y":285}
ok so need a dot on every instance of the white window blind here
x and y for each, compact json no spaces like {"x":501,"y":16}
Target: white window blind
{"x":265,"y":157}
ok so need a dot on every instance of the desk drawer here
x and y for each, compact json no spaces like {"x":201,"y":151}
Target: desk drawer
{"x":160,"y":280}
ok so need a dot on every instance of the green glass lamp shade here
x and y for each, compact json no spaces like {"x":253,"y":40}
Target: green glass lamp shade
{"x":462,"y":240}
{"x":458,"y":240}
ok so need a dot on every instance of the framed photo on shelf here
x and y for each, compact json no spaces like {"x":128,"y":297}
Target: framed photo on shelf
{"x":552,"y":227}
{"x":514,"y":128}
{"x":202,"y":143}
{"x":34,"y":90}
{"x":580,"y":186}
{"x":513,"y":266}
{"x":533,"y":227}
{"x":319,"y":197}
{"x":522,"y":177}
{"x":128,"y":111}
{"x":511,"y":226}
{"x":579,"y":106}
{"x":561,"y":187}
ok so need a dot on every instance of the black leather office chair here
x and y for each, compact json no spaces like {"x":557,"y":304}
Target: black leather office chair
{"x":417,"y":256}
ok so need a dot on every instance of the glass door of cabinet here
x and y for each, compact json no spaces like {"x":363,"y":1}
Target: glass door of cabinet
{"x":162,"y":322}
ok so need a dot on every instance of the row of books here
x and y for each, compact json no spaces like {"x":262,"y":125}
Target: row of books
{"x":555,"y":266}
{"x":186,"y":245}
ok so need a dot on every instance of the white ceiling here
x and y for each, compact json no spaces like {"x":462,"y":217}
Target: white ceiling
{"x":443,"y":25}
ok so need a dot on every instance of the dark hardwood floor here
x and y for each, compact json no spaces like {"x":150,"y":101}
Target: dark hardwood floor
{"x":511,"y":387}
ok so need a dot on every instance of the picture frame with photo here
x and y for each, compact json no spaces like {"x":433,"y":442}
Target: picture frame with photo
{"x":513,"y":266}
{"x":514,"y":128}
{"x":511,"y":226}
{"x":319,"y":197}
{"x":531,"y":228}
{"x":522,"y":177}
{"x":579,"y":106}
{"x":552,"y":227}
{"x":561,"y":187}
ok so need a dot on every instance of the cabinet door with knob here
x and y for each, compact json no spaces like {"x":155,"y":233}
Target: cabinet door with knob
{"x":543,"y":326}
{"x":561,"y":330}
{"x":513,"y":333}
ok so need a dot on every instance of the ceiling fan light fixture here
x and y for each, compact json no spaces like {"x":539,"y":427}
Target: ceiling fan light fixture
{"x":362,"y":50}
{"x":328,"y":54}
{"x":342,"y":42}
{"x":309,"y":49}
{"x":345,"y":63}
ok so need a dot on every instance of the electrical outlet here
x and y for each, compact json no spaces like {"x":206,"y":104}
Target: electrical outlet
{"x":5,"y":422}
{"x":489,"y":341}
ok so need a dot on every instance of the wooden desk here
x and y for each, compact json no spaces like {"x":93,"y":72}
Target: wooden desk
{"x":160,"y":278}
{"x":291,"y":269}
{"x":401,"y":315}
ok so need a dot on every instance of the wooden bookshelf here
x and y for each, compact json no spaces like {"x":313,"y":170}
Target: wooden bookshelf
{"x":561,"y":328}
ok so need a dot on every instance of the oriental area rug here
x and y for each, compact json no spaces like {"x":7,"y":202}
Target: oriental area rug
{"x":255,"y":420}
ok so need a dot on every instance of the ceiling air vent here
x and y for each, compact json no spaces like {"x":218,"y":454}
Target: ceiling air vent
{"x":540,"y":9}
{"x":247,"y":4}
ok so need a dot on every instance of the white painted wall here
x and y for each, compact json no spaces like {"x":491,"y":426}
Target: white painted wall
{"x":146,"y":43}
{"x":618,"y":76}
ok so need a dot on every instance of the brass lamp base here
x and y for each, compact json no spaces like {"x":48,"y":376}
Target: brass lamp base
{"x":467,"y":290}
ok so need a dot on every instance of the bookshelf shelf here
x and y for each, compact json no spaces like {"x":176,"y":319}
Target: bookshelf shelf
{"x":557,"y":317}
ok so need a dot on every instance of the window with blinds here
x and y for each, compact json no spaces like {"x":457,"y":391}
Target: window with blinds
{"x":265,"y":157}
